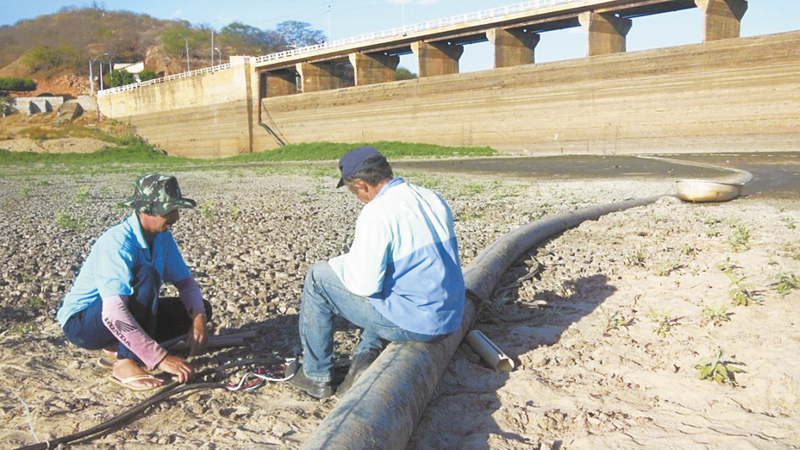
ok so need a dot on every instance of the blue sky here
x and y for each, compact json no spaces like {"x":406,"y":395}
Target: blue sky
{"x":340,"y":19}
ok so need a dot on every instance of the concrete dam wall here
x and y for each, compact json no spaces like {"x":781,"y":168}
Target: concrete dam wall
{"x":200,"y":116}
{"x":730,"y":95}
{"x":740,"y":94}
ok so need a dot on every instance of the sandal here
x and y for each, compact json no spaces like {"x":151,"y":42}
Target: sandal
{"x":106,"y":363}
{"x":126,"y":382}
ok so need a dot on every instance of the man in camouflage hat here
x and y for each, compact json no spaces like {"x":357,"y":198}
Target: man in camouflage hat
{"x":114,"y":302}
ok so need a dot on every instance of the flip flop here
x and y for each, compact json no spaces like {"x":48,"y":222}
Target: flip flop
{"x":126,"y":382}
{"x":106,"y":363}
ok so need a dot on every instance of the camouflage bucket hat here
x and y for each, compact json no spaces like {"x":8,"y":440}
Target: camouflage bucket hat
{"x":157,"y":195}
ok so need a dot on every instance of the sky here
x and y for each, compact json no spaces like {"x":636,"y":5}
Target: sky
{"x":341,"y":19}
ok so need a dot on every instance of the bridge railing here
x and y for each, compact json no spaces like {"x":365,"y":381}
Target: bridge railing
{"x":177,"y":76}
{"x":430,"y":25}
{"x":425,"y":26}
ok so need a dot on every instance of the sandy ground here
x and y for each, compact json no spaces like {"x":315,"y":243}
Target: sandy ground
{"x":577,"y":315}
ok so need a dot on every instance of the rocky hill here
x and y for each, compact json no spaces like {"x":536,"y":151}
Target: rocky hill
{"x":55,"y":50}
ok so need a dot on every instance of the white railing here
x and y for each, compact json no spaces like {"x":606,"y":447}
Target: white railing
{"x":430,"y":25}
{"x":177,"y":76}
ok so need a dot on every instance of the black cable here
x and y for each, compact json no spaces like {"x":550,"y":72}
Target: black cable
{"x":168,"y":391}
{"x":165,"y":393}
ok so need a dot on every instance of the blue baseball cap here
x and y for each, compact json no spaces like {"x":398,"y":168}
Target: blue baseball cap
{"x":356,"y":160}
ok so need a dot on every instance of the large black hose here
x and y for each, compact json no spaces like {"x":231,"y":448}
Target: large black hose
{"x":381,"y":409}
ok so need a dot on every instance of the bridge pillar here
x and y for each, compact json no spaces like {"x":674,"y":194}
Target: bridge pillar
{"x":436,"y":58}
{"x":512,"y":47}
{"x":605,"y":33}
{"x":318,"y":76}
{"x":280,"y":82}
{"x":722,"y":19}
{"x":373,"y":68}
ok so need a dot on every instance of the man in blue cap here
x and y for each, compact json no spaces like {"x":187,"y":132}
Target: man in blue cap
{"x":114,"y":302}
{"x":401,"y":281}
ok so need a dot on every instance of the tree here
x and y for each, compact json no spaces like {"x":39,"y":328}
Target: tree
{"x":147,"y":75}
{"x":120,"y":78}
{"x":44,"y":57}
{"x":248,"y":40}
{"x":175,"y":39}
{"x":299,"y":34}
{"x":404,"y":74}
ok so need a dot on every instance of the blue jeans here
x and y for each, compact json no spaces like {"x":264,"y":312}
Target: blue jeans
{"x":324,"y":296}
{"x":161,"y":318}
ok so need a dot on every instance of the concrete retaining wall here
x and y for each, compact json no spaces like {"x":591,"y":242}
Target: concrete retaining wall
{"x":201,"y":116}
{"x":730,"y":95}
{"x":36,"y":105}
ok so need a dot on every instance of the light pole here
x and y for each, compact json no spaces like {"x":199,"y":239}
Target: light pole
{"x":91,"y":76}
{"x":220,"y":54}
{"x":188,"y":69}
{"x":212,"y":44}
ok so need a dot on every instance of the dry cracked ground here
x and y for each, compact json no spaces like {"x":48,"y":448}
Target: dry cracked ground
{"x":606,"y":322}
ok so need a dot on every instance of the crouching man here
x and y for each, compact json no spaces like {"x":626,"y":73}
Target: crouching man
{"x":401,"y":281}
{"x":114,"y":302}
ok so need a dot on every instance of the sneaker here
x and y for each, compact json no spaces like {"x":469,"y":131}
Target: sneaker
{"x":316,"y":389}
{"x":359,"y":364}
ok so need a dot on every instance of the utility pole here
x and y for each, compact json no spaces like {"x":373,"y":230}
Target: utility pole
{"x":91,"y":75}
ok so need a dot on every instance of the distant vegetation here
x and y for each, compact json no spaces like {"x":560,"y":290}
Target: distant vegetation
{"x":69,"y":39}
{"x":120,"y":78}
{"x":404,"y":74}
{"x":16,"y":85}
{"x":147,"y":75}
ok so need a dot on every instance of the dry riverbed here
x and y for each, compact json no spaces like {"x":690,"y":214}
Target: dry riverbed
{"x":605,"y":322}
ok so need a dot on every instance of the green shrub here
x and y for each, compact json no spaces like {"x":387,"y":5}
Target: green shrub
{"x":17,"y":84}
{"x":120,"y":78}
{"x":147,"y":75}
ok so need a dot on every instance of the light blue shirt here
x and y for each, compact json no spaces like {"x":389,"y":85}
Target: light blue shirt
{"x":108,"y":269}
{"x":405,"y":259}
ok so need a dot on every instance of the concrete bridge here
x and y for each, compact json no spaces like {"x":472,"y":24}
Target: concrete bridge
{"x":513,"y":32}
{"x":728,"y":93}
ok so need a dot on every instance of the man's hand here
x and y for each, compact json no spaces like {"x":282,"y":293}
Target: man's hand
{"x":197,"y":338}
{"x":178,"y":367}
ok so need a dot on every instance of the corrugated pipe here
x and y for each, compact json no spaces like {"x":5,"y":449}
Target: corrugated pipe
{"x":381,"y":409}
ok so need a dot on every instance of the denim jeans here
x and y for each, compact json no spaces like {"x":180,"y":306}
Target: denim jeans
{"x":162,"y":318}
{"x":324,"y":296}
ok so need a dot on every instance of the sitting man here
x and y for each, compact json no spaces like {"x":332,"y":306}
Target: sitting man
{"x":401,"y":280}
{"x":114,"y":302}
